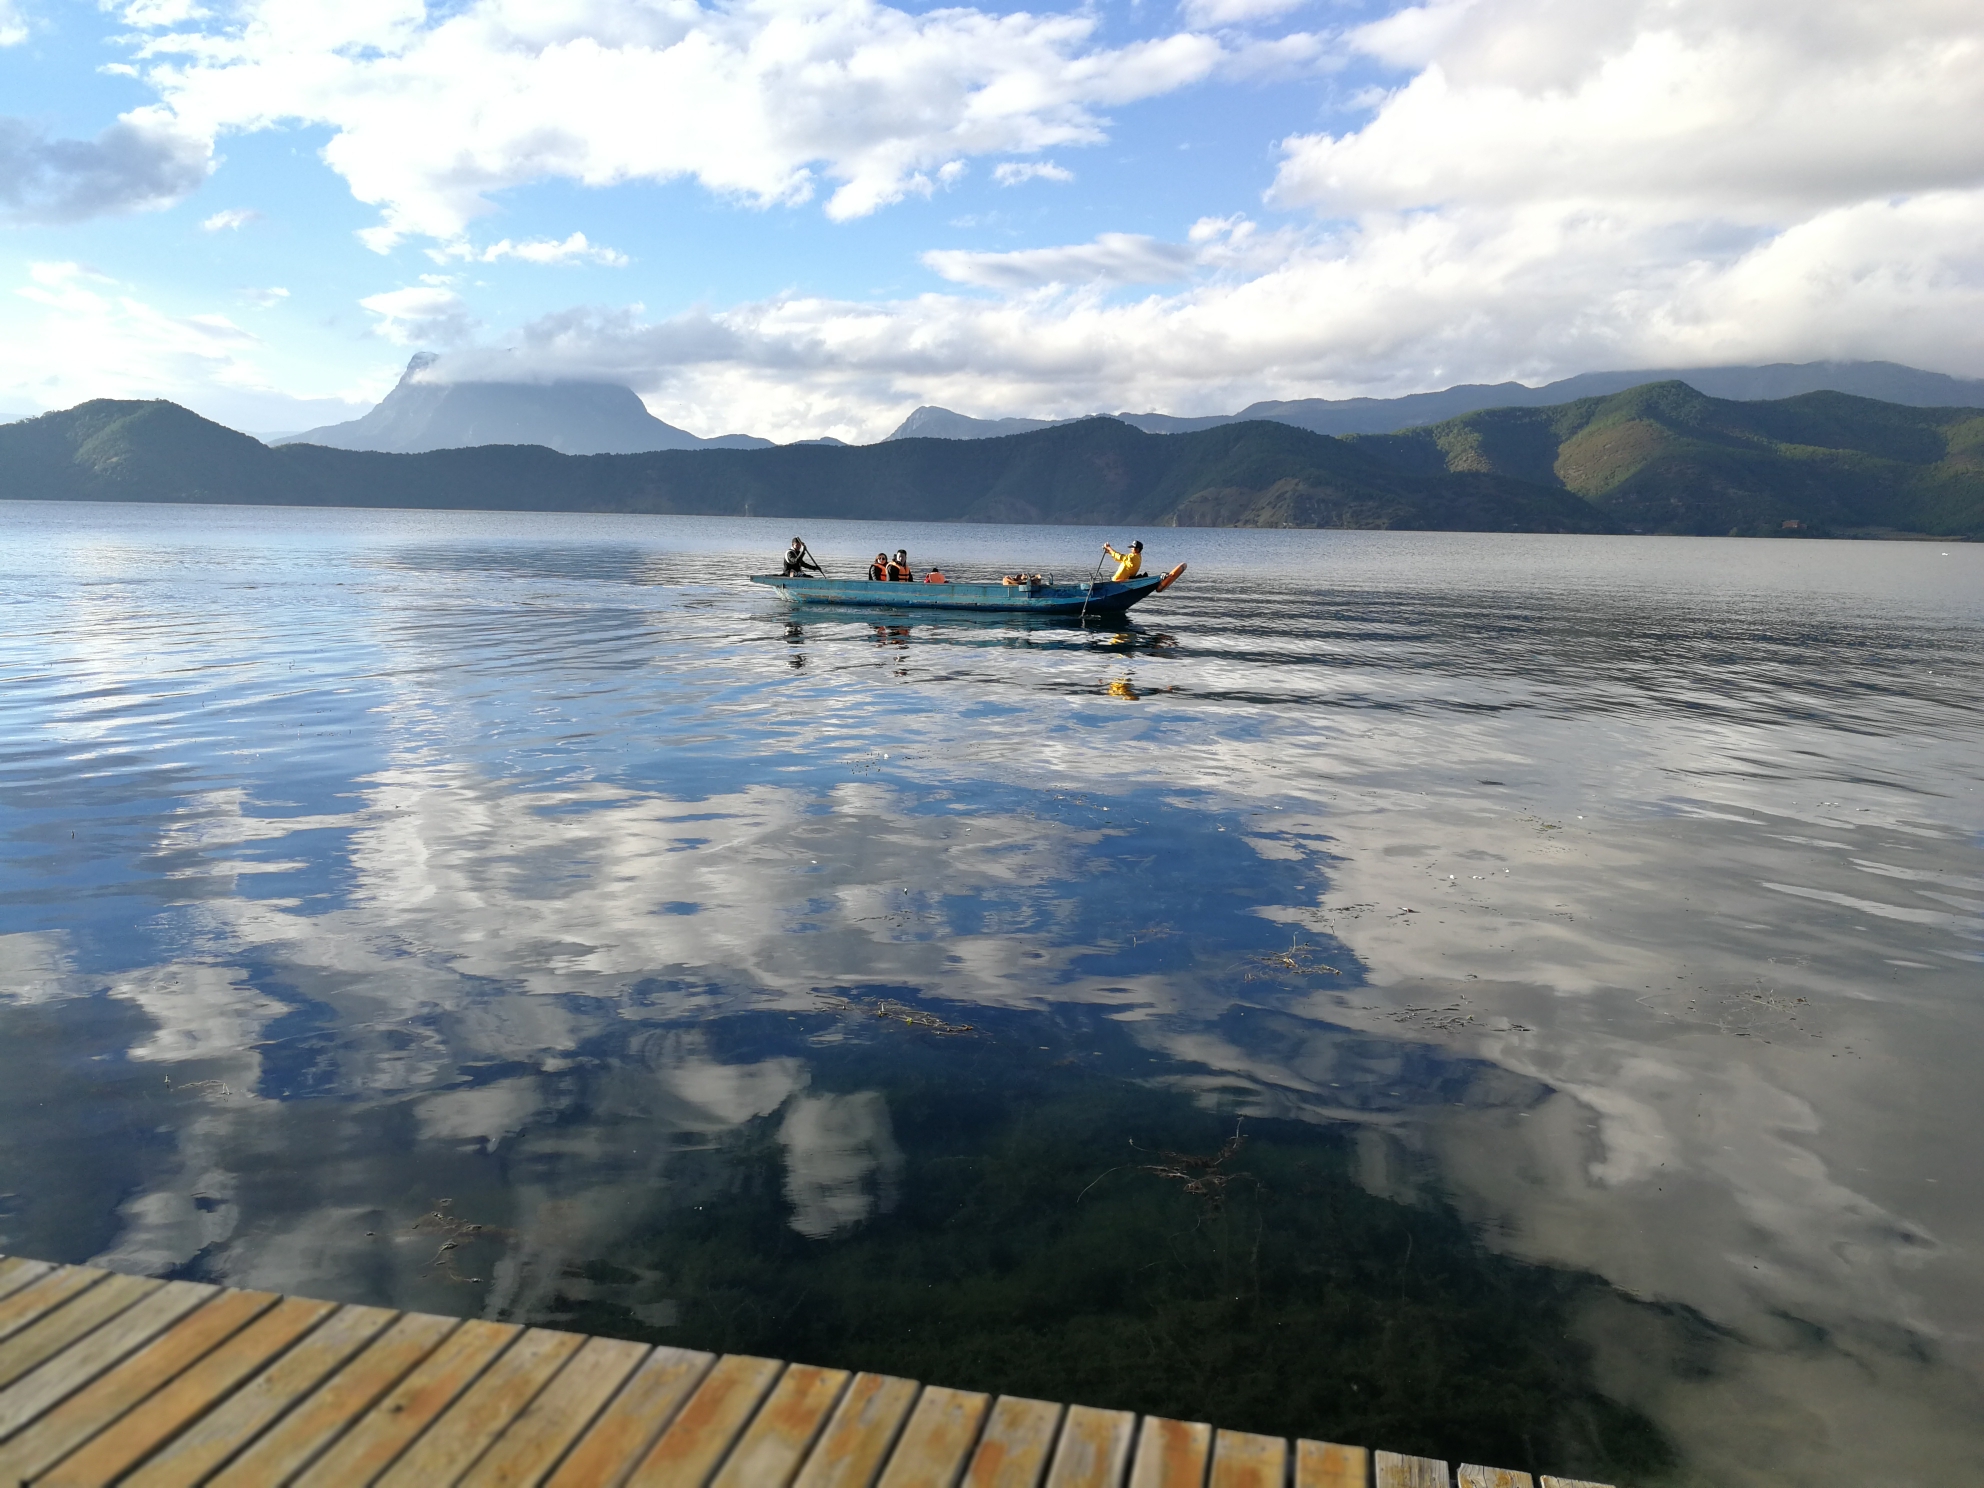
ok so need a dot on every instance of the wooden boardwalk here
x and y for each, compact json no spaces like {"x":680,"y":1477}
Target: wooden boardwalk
{"x":107,"y":1378}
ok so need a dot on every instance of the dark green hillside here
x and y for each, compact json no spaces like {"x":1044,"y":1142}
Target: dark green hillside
{"x":1659,"y":458}
{"x":1665,"y":458}
{"x":1095,"y":471}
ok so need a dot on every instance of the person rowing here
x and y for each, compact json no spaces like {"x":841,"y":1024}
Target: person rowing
{"x":1128,"y":565}
{"x":799,"y":558}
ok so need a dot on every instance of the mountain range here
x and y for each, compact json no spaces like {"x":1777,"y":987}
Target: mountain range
{"x":1888,"y":381}
{"x":575,"y":418}
{"x":1658,"y":458}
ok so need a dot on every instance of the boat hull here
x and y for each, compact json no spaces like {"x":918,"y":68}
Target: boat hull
{"x":1024,"y":599}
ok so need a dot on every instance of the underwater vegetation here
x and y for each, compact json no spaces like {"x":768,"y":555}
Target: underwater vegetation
{"x":1044,"y":1229}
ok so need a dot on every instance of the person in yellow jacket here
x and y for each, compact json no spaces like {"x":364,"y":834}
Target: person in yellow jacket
{"x":1128,"y":565}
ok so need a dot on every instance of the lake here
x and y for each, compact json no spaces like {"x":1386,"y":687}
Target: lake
{"x":1514,"y":998}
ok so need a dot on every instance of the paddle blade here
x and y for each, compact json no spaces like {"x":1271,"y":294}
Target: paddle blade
{"x":1169,"y":579}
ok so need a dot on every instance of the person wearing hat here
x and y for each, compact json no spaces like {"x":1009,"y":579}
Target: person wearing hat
{"x":1128,"y":565}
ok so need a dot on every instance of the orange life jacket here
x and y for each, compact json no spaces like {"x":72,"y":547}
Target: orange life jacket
{"x":878,"y":570}
{"x":935,"y":576}
{"x":899,"y":571}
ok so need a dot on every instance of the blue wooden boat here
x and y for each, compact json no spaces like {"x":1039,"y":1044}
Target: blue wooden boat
{"x":1105,"y":598}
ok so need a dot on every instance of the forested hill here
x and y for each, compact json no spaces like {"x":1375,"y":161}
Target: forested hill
{"x":1657,"y":458}
{"x":1665,"y":458}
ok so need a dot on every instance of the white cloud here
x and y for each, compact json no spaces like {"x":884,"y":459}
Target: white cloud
{"x":1018,"y":172}
{"x":1672,"y":109}
{"x":1210,"y":13}
{"x":75,"y":333}
{"x":1113,"y":258}
{"x":13,"y":24}
{"x":760,"y":100}
{"x":429,"y":314}
{"x":231,"y":219}
{"x":142,"y":162}
{"x":575,"y":249}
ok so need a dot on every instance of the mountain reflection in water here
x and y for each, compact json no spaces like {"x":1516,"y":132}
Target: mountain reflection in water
{"x":517,"y":916}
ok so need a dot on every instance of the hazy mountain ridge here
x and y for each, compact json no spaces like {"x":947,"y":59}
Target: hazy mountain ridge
{"x":575,"y":418}
{"x":1890,"y":382}
{"x":1662,"y":458}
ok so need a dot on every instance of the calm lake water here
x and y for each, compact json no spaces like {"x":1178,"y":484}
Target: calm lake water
{"x":1583,"y":936}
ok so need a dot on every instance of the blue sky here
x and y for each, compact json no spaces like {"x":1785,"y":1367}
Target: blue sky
{"x":803,"y":217}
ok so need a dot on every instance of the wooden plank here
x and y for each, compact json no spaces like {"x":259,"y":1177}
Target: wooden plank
{"x":940,"y":1434}
{"x":1396,"y":1471}
{"x":535,"y":1440}
{"x":239,"y":1419}
{"x":1171,"y":1454}
{"x":465,"y":1430}
{"x":383,"y":1432}
{"x":186,"y":1396}
{"x":1094,"y":1450}
{"x":17,"y":1271}
{"x":1473,"y":1476}
{"x":288,"y":1447}
{"x":1321,"y":1464}
{"x":54,"y":1331}
{"x":779,"y":1436}
{"x":1550,"y":1482}
{"x":857,"y":1440}
{"x":628,"y":1426}
{"x":1243,"y":1459}
{"x":60,"y":1431}
{"x":44,"y":1295}
{"x":687,"y":1453}
{"x":1019,"y":1434}
{"x":60,"y":1377}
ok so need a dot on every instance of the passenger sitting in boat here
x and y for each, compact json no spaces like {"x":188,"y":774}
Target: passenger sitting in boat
{"x":879,"y":569}
{"x":1128,"y":565}
{"x":935,"y":576}
{"x":1020,"y":578}
{"x":798,"y":559}
{"x":899,"y":569}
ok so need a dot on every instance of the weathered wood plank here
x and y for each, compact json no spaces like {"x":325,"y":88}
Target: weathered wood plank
{"x":536,"y":1439}
{"x":60,"y":1377}
{"x":17,"y":1272}
{"x":1550,"y":1482}
{"x":1244,"y":1459}
{"x":54,"y":1331}
{"x":1472,"y":1475}
{"x":630,"y":1423}
{"x":1019,"y":1435}
{"x":186,"y":1396}
{"x":1396,"y":1471}
{"x":776,"y":1442}
{"x":43,"y":1295}
{"x":1094,"y":1450}
{"x":938,"y":1438}
{"x":57,"y":1433}
{"x":465,"y":1430}
{"x":196,"y":1452}
{"x":288,"y":1447}
{"x":1331,"y":1465}
{"x":857,"y":1440}
{"x":382,"y":1433}
{"x":1171,"y":1454}
{"x":687,"y":1453}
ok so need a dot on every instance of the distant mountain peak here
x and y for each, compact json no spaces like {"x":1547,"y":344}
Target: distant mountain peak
{"x":574,"y":418}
